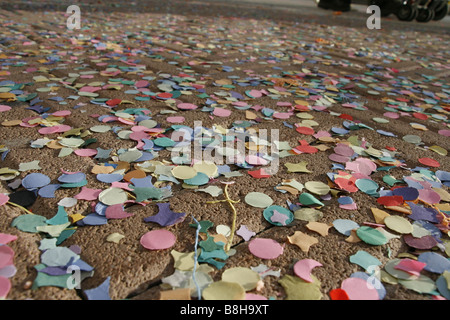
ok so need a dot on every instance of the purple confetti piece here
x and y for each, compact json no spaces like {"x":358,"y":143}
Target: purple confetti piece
{"x":99,"y":293}
{"x":165,"y":216}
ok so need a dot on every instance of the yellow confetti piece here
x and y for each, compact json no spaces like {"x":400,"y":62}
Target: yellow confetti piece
{"x":404,"y":210}
{"x":302,"y":240}
{"x":444,"y":194}
{"x":438,"y":150}
{"x":53,"y":230}
{"x":9,"y":97}
{"x":379,"y":215}
{"x":102,"y":169}
{"x":297,"y":167}
{"x":317,"y":187}
{"x":183,"y":261}
{"x":353,"y":237}
{"x":250,"y":115}
{"x":115,"y":237}
{"x":184,"y":172}
{"x":11,"y":123}
{"x":208,"y":168}
{"x":223,"y":290}
{"x":246,"y":277}
{"x":418,"y":126}
{"x":176,"y":294}
{"x":76,"y":217}
{"x":319,"y":227}
{"x":398,"y":224}
{"x":54,"y":144}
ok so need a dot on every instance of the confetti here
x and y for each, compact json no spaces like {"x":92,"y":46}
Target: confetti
{"x":303,"y":268}
{"x":302,"y":240}
{"x":258,"y":200}
{"x":265,"y":248}
{"x":158,"y":239}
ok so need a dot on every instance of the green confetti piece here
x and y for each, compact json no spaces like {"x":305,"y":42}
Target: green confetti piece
{"x":371,"y":236}
{"x":29,"y":222}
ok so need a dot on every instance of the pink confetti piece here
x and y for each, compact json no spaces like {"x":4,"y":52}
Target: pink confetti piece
{"x":138,"y":135}
{"x":429,"y":196}
{"x":255,"y":160}
{"x":284,"y":104}
{"x":187,"y":106}
{"x":6,"y":256}
{"x":359,"y":289}
{"x":3,"y":199}
{"x":5,"y":287}
{"x":265,"y":248}
{"x":255,"y":93}
{"x":62,"y":113}
{"x":391,"y":115}
{"x":90,"y":89}
{"x":88,"y":194}
{"x":321,"y":133}
{"x":282,"y":115}
{"x":302,"y":268}
{"x":85,"y":152}
{"x":410,"y":266}
{"x":121,"y":185}
{"x":175,"y":119}
{"x":116,"y":211}
{"x":344,"y":150}
{"x":141,"y":84}
{"x":7,"y":238}
{"x":4,"y":108}
{"x":221,"y":112}
{"x":338,"y":158}
{"x":48,"y":130}
{"x":158,"y":239}
{"x":253,"y":296}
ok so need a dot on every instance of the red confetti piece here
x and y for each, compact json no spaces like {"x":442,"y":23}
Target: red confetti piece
{"x":113,"y":102}
{"x":429,"y":162}
{"x":300,"y":107}
{"x":305,"y":130}
{"x":164,"y":95}
{"x":338,"y":294}
{"x":419,"y":115}
{"x":306,"y":148}
{"x":346,"y":184}
{"x":346,"y":117}
{"x":258,"y":174}
{"x":390,"y":200}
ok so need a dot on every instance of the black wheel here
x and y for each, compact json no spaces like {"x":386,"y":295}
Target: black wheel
{"x":441,"y":13}
{"x":425,"y":15}
{"x":413,"y":15}
{"x":406,"y":13}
